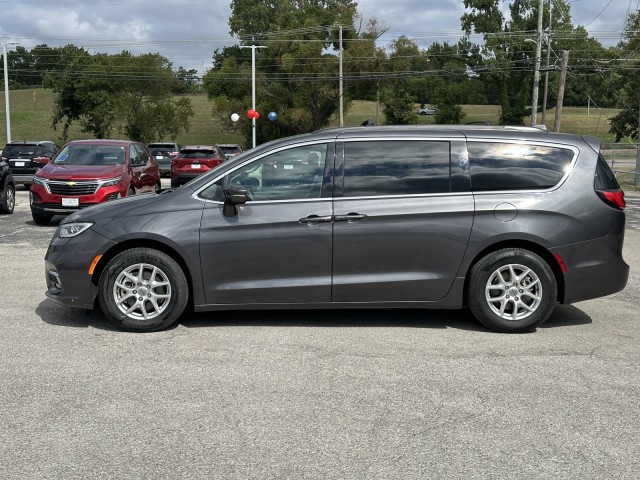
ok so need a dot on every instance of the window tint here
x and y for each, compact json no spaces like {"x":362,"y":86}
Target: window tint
{"x":511,"y":166}
{"x":292,"y":174}
{"x":403,"y":167}
{"x":605,"y":179}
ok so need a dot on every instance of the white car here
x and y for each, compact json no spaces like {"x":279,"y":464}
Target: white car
{"x":427,"y":111}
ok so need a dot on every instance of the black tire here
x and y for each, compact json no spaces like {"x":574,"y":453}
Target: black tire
{"x":158,"y":187}
{"x":8,"y":200}
{"x":41,"y":218}
{"x":131,"y":191}
{"x":138,"y":306}
{"x":174,"y":184}
{"x":512,"y":291}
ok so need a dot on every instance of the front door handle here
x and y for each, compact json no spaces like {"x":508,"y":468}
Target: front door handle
{"x":350,"y":217}
{"x":315,"y":219}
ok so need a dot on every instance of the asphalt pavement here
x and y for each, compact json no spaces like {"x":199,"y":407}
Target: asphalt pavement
{"x":320,"y":395}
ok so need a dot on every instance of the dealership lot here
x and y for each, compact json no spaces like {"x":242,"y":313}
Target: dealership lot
{"x":320,"y":394}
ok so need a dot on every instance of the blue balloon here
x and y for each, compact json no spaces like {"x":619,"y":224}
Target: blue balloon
{"x":272,"y":116}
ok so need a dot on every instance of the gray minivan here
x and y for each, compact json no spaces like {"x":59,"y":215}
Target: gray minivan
{"x":508,"y":221}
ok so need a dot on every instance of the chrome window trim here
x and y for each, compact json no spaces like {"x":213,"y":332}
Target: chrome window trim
{"x":574,"y":149}
{"x":449,"y":139}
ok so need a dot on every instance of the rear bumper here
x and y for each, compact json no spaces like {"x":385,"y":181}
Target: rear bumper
{"x":594,"y":268}
{"x":23,"y":178}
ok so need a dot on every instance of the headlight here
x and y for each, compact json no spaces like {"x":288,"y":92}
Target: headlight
{"x":40,"y":181}
{"x":110,"y":182}
{"x":68,"y":230}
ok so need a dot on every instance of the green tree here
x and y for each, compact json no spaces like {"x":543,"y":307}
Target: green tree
{"x":627,"y":80}
{"x":297,"y":72}
{"x":117,"y":93}
{"x":507,"y":56}
{"x":398,"y":107}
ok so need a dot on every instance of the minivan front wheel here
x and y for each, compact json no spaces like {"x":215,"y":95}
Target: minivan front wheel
{"x":512,"y":290}
{"x":143,"y":290}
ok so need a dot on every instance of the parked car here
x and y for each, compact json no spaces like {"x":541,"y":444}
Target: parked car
{"x":172,"y":147}
{"x":163,"y":156}
{"x":7,"y":188}
{"x":88,"y":172}
{"x":427,"y":111}
{"x":26,"y":158}
{"x":193,"y":161}
{"x":508,"y":221}
{"x":230,"y":150}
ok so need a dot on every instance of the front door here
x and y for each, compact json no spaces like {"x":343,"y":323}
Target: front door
{"x":278,"y":247}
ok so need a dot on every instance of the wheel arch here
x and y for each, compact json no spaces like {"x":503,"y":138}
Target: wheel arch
{"x":146,"y":243}
{"x":536,"y":248}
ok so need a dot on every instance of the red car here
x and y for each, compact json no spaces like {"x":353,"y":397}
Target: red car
{"x":88,"y":172}
{"x":193,"y":161}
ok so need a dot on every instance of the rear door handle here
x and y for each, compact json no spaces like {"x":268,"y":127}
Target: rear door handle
{"x":315,"y":219}
{"x":350,"y":217}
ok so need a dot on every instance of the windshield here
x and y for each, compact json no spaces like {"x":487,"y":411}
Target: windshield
{"x":161,"y":151}
{"x":230,"y":150}
{"x":91,"y":155}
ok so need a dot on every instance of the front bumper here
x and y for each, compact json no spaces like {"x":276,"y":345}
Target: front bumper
{"x":67,"y":263}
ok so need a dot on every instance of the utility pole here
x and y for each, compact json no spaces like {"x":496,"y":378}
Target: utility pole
{"x":536,"y":74}
{"x":6,"y":90}
{"x":560,"y":100}
{"x":637,"y":182}
{"x":546,"y":71}
{"x":341,"y":86}
{"x":253,"y":88}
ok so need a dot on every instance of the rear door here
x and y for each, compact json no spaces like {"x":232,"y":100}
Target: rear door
{"x":403,"y":215}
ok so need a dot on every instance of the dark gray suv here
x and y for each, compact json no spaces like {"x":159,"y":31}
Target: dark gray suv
{"x":507,"y":221}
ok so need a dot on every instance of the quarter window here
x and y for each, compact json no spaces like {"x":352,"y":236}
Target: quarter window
{"x":403,"y":167}
{"x":511,"y":166}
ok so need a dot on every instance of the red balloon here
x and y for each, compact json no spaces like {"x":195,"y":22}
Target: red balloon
{"x":251,"y":113}
{"x":256,"y":115}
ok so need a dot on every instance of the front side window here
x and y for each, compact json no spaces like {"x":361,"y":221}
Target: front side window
{"x":292,"y":174}
{"x":398,"y":167}
{"x":516,"y":166}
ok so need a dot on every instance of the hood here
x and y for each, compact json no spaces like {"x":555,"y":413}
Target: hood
{"x":136,"y":205}
{"x":54,"y":171}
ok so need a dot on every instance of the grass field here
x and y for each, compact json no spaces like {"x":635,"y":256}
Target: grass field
{"x":31,"y":119}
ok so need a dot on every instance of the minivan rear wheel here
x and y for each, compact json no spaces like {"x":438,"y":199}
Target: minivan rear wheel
{"x":512,"y":290}
{"x":143,"y":290}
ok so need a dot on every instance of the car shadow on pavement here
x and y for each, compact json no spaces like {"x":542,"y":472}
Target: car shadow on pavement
{"x":335,"y":318}
{"x":58,"y":315}
{"x":567,"y":316}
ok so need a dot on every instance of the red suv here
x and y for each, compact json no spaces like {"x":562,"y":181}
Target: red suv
{"x":88,"y":172}
{"x":193,"y":161}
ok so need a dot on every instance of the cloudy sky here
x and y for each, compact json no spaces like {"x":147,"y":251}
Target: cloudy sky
{"x":188,"y":31}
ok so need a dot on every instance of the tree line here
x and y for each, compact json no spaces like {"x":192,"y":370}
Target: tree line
{"x":297,"y":71}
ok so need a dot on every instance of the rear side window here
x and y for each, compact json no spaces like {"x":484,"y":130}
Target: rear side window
{"x":605,"y":180}
{"x":516,"y":166}
{"x":405,"y":167}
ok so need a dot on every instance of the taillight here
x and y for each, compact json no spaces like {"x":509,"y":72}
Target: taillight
{"x":614,"y":198}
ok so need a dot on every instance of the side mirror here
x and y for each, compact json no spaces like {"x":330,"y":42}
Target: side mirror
{"x":235,"y":195}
